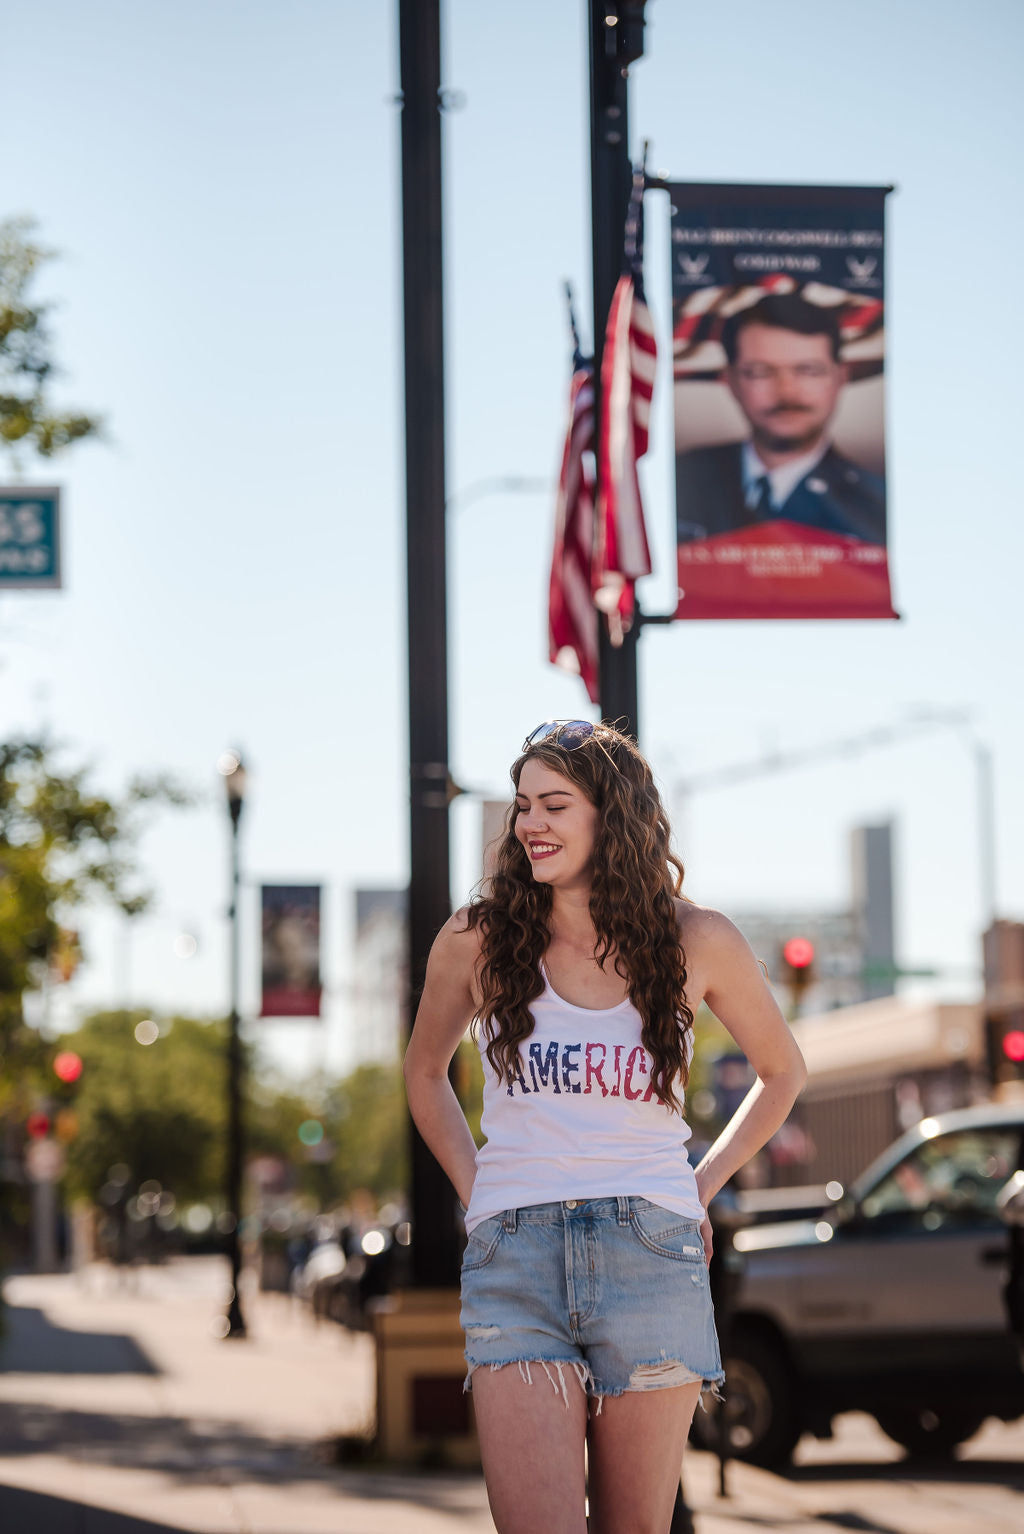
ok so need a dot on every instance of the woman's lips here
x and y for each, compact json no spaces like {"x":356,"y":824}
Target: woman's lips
{"x":541,"y":850}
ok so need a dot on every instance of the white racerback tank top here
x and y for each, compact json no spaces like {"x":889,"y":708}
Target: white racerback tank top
{"x":580,"y":1119}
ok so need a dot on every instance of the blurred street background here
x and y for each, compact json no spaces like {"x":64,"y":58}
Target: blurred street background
{"x":203,"y":993}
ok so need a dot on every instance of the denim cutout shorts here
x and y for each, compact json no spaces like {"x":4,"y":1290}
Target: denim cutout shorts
{"x":614,"y":1288}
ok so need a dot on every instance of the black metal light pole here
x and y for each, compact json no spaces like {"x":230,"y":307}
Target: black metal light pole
{"x":231,"y":768}
{"x":435,"y":1252}
{"x":616,"y":41}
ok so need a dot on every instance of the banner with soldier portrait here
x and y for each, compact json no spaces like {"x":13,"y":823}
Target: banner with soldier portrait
{"x":778,"y":359}
{"x":290,"y":931}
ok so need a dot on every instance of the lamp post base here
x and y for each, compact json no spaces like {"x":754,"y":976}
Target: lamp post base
{"x":235,"y":1321}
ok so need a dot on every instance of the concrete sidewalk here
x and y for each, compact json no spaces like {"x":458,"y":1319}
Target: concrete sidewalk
{"x":122,"y":1413}
{"x":116,"y":1394}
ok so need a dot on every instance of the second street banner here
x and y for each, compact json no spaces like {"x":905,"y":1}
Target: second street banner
{"x":290,"y":950}
{"x":779,"y":351}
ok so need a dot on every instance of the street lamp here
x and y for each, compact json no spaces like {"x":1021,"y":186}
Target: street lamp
{"x":229,"y":765}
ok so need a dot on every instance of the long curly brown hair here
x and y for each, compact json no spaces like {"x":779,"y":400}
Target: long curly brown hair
{"x":635,"y":876}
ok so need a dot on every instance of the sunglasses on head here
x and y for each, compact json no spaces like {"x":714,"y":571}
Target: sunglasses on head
{"x":567,"y":733}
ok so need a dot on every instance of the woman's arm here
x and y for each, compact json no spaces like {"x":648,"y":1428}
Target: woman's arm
{"x":737,"y":992}
{"x":445,"y":1012}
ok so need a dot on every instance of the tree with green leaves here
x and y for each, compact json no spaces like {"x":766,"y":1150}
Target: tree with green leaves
{"x":28,"y":415}
{"x":367,"y":1120}
{"x":157,"y":1109}
{"x":61,"y":844}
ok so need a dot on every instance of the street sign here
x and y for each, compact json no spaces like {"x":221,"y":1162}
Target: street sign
{"x":30,"y":537}
{"x":44,"y":1160}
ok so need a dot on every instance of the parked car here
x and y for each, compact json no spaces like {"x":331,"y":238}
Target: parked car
{"x":894,"y":1301}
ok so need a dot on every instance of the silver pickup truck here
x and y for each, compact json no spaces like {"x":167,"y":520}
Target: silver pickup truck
{"x":891,"y":1301}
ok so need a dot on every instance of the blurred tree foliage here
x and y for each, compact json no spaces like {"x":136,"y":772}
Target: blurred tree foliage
{"x":28,"y":417}
{"x":160,"y":1108}
{"x":366,"y":1119}
{"x":61,"y":844}
{"x":156,"y":1108}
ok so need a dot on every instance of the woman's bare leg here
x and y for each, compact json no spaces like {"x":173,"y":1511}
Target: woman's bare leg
{"x":531,"y":1443}
{"x":636,"y":1453}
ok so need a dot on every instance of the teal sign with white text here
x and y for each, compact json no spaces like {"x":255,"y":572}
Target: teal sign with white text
{"x":30,"y":537}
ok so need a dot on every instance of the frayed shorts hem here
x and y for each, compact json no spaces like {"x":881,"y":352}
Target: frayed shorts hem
{"x":659,"y":1374}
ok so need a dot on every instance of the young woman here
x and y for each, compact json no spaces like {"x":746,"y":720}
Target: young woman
{"x":585,"y":1296}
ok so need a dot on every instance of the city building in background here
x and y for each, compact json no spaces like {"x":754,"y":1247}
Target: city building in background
{"x":871,"y":859}
{"x":876,"y":1069}
{"x":836,"y":962}
{"x":1003,"y":950}
{"x":380,"y":958}
{"x":493,"y":816}
{"x":380,"y":955}
{"x":851,"y":955}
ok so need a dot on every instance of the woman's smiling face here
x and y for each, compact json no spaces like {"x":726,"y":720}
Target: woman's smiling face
{"x":557,"y":824}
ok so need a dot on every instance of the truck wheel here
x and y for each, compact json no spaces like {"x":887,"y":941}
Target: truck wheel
{"x":928,"y":1433}
{"x":760,"y":1410}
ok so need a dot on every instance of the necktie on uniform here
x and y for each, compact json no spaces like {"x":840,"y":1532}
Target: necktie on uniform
{"x":762,"y":506}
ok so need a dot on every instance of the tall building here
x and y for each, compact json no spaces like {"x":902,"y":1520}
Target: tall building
{"x":854,"y":950}
{"x":380,"y":961}
{"x":871,"y":859}
{"x":493,"y":818}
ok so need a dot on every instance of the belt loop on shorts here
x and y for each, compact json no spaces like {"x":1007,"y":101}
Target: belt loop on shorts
{"x":623,"y":1208}
{"x":509,"y":1220}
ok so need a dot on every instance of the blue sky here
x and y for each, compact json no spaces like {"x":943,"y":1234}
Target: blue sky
{"x":222,"y":183}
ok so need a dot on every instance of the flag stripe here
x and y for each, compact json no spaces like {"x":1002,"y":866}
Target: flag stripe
{"x":627,"y":380}
{"x":572,"y":616}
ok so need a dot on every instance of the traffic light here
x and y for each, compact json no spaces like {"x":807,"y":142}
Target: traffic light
{"x":1004,"y":1043}
{"x":67,"y":1066}
{"x":1003,"y":947}
{"x":797,"y":968}
{"x":65,"y":1125}
{"x":37,"y":1125}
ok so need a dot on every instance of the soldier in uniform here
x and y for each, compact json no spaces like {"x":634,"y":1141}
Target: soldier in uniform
{"x":785,"y":374}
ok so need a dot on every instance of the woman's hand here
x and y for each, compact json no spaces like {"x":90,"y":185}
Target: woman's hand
{"x":705,"y":1193}
{"x":706,"y":1237}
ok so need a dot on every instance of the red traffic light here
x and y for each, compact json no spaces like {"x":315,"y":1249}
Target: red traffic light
{"x":68,"y":1065}
{"x":1013,"y":1045}
{"x":798,"y":952}
{"x":37,"y":1126}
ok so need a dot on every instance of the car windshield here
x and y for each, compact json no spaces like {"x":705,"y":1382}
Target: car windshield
{"x":953,"y":1179}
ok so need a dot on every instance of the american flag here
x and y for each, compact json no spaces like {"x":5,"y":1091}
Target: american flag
{"x":627,"y":384}
{"x":699,"y":356}
{"x":572,"y":616}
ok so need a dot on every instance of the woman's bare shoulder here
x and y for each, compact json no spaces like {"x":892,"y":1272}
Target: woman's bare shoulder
{"x":459,"y":940}
{"x":702,"y":929}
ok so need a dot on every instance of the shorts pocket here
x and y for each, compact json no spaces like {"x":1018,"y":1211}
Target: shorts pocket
{"x":482,"y":1243}
{"x":667,"y":1233}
